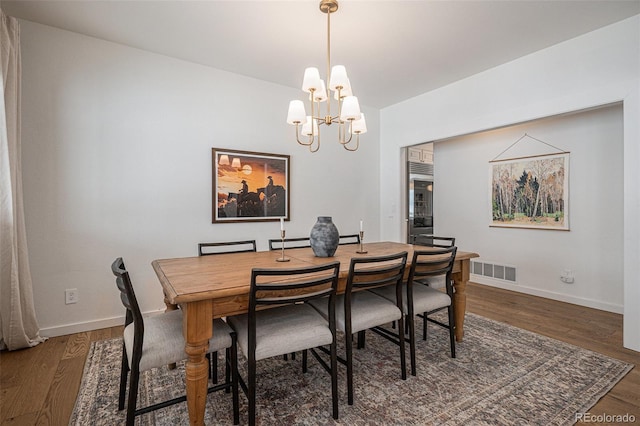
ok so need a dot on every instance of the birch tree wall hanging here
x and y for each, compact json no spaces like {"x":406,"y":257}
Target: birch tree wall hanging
{"x":530,"y":191}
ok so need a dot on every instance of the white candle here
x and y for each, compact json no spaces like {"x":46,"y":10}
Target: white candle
{"x":282,"y":223}
{"x":360,"y":226}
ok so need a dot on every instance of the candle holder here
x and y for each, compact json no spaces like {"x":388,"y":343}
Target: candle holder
{"x":361,"y":250}
{"x":282,"y":259}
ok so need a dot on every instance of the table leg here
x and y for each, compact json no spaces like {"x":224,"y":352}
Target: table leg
{"x":460,"y":280}
{"x":170,"y":307}
{"x":197,"y":329}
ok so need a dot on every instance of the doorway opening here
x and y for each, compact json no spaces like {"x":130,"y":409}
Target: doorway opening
{"x":419,"y":194}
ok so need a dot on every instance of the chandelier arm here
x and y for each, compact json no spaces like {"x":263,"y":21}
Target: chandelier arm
{"x":312,"y":109}
{"x":317,"y":140}
{"x":339,"y":104}
{"x":343,"y":134}
{"x":342,"y":138}
{"x":357,"y":144}
{"x":298,"y":137}
{"x":305,"y":143}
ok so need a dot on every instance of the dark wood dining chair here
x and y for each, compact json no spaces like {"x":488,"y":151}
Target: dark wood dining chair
{"x":276,"y":244}
{"x":423,"y":300}
{"x":157,"y":341}
{"x":222,"y":247}
{"x":358,"y":310}
{"x":349,"y":239}
{"x":207,"y":249}
{"x":290,"y":324}
{"x":438,"y":242}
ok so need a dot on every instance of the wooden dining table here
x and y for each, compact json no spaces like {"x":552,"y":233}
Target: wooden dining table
{"x":208,"y":287}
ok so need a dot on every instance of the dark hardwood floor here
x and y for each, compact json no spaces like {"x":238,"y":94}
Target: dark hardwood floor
{"x":38,"y":386}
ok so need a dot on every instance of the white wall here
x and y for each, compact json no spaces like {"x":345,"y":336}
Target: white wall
{"x":593,"y":247}
{"x":117,"y":162}
{"x":595,"y":69}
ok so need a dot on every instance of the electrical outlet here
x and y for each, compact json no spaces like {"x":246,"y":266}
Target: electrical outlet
{"x":567,"y":276}
{"x":71,"y":296}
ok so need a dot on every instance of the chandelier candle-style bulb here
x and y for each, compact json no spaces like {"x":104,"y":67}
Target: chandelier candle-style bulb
{"x":319,"y":95}
{"x":338,"y":77}
{"x":297,"y":114}
{"x":311,"y":80}
{"x":344,"y":92}
{"x":350,"y":109}
{"x":306,"y":127}
{"x":359,"y":126}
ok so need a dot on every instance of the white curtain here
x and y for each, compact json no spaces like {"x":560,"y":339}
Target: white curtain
{"x":18,"y":325}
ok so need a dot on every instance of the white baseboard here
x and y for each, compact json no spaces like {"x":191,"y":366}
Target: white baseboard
{"x":80,"y":327}
{"x":589,"y":303}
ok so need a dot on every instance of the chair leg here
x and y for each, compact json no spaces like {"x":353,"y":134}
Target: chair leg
{"x":361,"y":339}
{"x":227,"y":372}
{"x":124,"y":373}
{"x":213,"y":367}
{"x":403,"y":356}
{"x":251,"y":391}
{"x":304,"y":361}
{"x":349,"y":348}
{"x":424,"y":326}
{"x":334,"y":378}
{"x":233,"y":354}
{"x":452,"y":327}
{"x":133,"y":395}
{"x":412,"y":343}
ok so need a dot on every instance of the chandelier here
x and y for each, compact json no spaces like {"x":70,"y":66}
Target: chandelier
{"x":349,"y":119}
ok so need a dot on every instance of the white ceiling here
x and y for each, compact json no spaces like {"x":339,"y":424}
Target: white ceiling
{"x":393,"y":50}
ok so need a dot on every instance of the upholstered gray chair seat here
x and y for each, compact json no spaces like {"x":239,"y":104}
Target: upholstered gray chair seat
{"x":164,"y":342}
{"x":282,"y":330}
{"x":433,"y":282}
{"x":425,"y":299}
{"x":367,"y":311}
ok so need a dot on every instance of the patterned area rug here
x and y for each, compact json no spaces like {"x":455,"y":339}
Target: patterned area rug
{"x":502,"y":376}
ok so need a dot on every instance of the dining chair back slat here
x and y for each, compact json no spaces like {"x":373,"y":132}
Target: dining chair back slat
{"x":434,"y":241}
{"x":432,"y":263}
{"x":207,"y":249}
{"x":349,"y":239}
{"x":299,"y":242}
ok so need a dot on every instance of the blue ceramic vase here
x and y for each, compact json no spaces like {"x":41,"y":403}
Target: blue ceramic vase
{"x":324,"y":237}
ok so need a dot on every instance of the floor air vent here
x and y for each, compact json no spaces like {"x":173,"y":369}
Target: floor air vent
{"x":492,"y":270}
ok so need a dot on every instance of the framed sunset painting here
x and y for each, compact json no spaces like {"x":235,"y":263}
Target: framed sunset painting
{"x":249,"y":186}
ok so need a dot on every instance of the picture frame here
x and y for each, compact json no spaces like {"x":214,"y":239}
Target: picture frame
{"x":249,"y":186}
{"x":530,"y":192}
